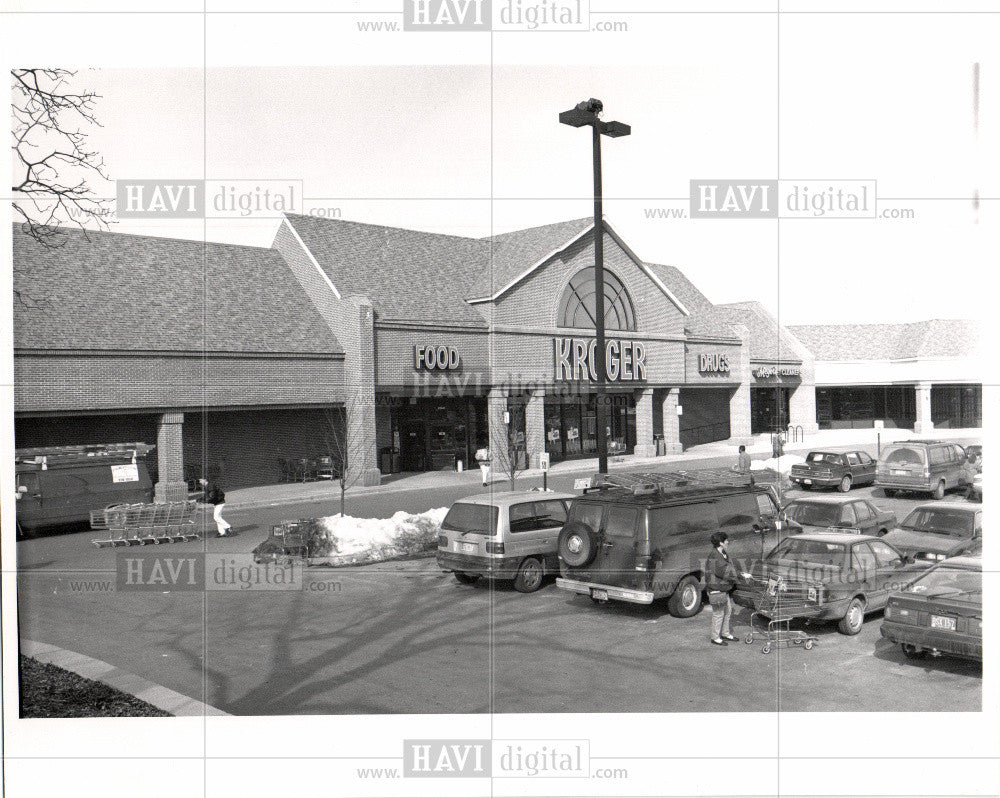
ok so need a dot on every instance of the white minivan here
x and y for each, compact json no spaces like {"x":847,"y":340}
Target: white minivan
{"x":509,"y":535}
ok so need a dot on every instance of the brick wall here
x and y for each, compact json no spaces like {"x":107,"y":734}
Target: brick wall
{"x":96,"y":382}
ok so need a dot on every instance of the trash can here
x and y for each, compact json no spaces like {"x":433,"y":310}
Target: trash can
{"x":385,"y":460}
{"x":660,"y":444}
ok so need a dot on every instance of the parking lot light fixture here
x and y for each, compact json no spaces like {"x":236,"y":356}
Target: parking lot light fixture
{"x":583,"y":114}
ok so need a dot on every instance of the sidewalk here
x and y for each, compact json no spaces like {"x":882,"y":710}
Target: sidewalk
{"x":298,"y":492}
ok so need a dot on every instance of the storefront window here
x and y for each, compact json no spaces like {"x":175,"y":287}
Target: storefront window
{"x":571,"y":426}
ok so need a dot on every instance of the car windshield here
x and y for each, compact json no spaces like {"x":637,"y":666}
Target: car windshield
{"x":820,"y":458}
{"x":481,"y":518}
{"x":813,"y":552}
{"x":904,"y":456}
{"x":813,"y":513}
{"x":940,"y":521}
{"x":945,"y":581}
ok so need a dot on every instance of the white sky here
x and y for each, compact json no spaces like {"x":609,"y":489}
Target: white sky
{"x":427,"y":146}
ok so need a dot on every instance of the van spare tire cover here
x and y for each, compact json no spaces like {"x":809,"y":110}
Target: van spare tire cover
{"x":577,"y":544}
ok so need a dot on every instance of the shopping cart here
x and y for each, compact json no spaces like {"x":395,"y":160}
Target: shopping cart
{"x":776,"y":605}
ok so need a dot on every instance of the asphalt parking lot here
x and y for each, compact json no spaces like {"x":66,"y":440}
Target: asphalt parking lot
{"x":404,"y":637}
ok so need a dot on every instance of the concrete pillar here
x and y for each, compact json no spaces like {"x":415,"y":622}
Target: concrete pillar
{"x":739,"y":403}
{"x":924,"y":424}
{"x":170,"y":486}
{"x":644,"y":446}
{"x":534,"y":426}
{"x":671,"y":421}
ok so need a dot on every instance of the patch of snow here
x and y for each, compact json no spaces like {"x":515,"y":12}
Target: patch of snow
{"x":783,"y":464}
{"x":367,"y":539}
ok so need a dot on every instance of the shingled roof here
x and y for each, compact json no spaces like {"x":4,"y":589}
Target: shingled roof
{"x":112,"y":291}
{"x":931,"y":338}
{"x":514,"y":253}
{"x":767,"y":340}
{"x":407,"y":274}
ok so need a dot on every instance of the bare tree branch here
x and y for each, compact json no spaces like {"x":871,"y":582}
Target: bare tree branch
{"x":53,"y":166}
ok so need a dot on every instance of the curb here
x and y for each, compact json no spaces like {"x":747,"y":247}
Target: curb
{"x":160,"y":697}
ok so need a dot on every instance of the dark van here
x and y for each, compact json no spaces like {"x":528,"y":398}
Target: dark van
{"x":649,"y":541}
{"x":59,"y":485}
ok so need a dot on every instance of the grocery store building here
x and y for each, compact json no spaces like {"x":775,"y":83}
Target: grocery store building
{"x":393,"y":350}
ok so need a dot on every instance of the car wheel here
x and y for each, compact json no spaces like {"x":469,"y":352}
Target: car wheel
{"x":912,"y":652}
{"x":529,"y":576}
{"x":466,"y":579}
{"x":845,"y":484}
{"x":882,"y":533}
{"x":806,"y":487}
{"x":854,"y":618}
{"x":939,"y":490}
{"x":685,"y":601}
{"x":577,"y":544}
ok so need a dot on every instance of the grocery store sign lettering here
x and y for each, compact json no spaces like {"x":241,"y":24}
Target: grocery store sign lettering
{"x":576,"y":359}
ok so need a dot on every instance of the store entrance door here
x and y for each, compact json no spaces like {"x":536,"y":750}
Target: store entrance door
{"x":769,"y":409}
{"x":412,"y":444}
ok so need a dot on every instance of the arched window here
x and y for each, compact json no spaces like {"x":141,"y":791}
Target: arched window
{"x":576,"y":306}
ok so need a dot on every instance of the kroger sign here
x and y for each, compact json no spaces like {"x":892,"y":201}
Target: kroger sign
{"x":624,"y":360}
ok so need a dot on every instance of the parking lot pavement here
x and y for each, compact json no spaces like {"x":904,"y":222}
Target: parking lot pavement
{"x":406,"y":638}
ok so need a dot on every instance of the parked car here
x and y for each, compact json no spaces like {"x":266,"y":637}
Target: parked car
{"x":938,"y":530}
{"x":829,"y":469}
{"x":509,"y":535}
{"x":837,"y":576}
{"x":823,"y":512}
{"x":923,"y":467}
{"x":650,"y":542}
{"x":976,"y":488}
{"x":940,"y":612}
{"x":59,"y":485}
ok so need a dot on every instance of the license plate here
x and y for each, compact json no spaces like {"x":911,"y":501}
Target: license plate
{"x":467,"y":548}
{"x":941,"y":622}
{"x":600,"y":595}
{"x":896,"y":472}
{"x":807,"y":482}
{"x":812,"y":594}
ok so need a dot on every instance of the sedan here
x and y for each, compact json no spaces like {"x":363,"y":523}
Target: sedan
{"x":834,"y":469}
{"x":825,"y":512}
{"x":941,"y":612}
{"x":938,"y":530}
{"x":829,"y":576}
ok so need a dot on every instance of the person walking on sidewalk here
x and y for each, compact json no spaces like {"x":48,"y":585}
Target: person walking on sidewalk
{"x":743,"y":461}
{"x":483,"y":458}
{"x":721,"y":581}
{"x":215,"y":495}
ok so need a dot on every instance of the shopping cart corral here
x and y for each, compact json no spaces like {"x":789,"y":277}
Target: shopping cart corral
{"x":776,"y":603}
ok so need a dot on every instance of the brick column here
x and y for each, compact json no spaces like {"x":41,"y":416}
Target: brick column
{"x":644,"y":446}
{"x":739,"y":403}
{"x":362,"y":461}
{"x":924,"y":424}
{"x":671,"y":421}
{"x":496,"y":406}
{"x":534,"y":426}
{"x":171,"y":486}
{"x":802,"y":408}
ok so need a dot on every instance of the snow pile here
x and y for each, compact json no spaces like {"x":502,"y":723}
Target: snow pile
{"x":781,"y":465}
{"x":346,"y":540}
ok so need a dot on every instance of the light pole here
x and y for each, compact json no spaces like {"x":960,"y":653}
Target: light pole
{"x":588,"y":113}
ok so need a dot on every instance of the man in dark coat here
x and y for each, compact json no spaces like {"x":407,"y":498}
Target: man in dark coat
{"x":720,"y":578}
{"x":215,"y":495}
